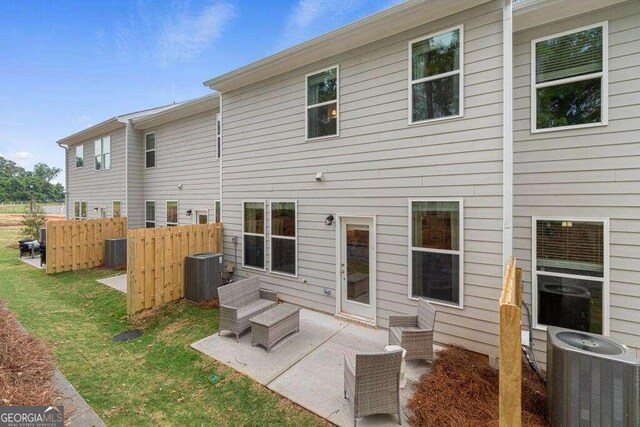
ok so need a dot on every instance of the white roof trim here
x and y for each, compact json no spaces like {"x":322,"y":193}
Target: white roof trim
{"x":182,"y":110}
{"x":534,"y":13}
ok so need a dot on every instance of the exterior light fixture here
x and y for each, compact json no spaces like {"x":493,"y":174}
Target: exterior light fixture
{"x":189,"y":212}
{"x":329,"y":220}
{"x":95,"y":209}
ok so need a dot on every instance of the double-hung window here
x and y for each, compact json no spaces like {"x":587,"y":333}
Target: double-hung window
{"x":116,"y":209}
{"x":172,"y":213}
{"x":284,"y":238}
{"x":436,"y":76}
{"x":571,"y":279}
{"x":80,"y":156}
{"x":218,"y":135}
{"x":253,"y":229}
{"x":102,"y":153}
{"x":76,"y":210}
{"x":436,"y":253}
{"x":569,"y":79}
{"x":150,"y":150}
{"x":150,"y":214}
{"x":80,"y":210}
{"x":322,"y":103}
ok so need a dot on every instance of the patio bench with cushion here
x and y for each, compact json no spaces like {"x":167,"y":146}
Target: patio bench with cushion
{"x":414,"y":333}
{"x":373,"y":384}
{"x":242,"y":300}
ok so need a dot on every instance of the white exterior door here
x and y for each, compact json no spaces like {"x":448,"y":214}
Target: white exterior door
{"x":357,"y":268}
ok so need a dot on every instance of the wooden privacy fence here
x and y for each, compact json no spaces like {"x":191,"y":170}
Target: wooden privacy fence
{"x":510,"y":347}
{"x":78,"y":244}
{"x":155,"y":269}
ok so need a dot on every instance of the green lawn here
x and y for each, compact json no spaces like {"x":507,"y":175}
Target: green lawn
{"x":156,"y":380}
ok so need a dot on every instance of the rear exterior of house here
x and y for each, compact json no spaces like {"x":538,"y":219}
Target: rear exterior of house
{"x":158,"y":168}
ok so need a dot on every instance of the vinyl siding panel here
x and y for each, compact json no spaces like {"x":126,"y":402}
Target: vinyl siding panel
{"x":374,"y":167}
{"x":185,"y":154}
{"x":135,"y":178}
{"x":98,"y":188}
{"x":586,"y":173}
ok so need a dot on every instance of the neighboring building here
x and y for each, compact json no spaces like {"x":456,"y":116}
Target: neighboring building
{"x":158,"y":167}
{"x":375,"y":164}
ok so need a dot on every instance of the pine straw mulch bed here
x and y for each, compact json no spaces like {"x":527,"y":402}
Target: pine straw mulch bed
{"x":462,"y":390}
{"x":26,"y":365}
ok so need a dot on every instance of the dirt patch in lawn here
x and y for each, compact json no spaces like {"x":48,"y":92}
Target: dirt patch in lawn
{"x":462,"y":390}
{"x":26,"y":367}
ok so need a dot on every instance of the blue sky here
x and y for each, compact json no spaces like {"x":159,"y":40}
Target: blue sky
{"x":66,"y":65}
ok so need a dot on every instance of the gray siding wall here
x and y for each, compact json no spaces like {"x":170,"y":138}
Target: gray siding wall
{"x":97,"y":188}
{"x":377,"y":164}
{"x":592,"y":172}
{"x":135,"y":179}
{"x":185,"y":154}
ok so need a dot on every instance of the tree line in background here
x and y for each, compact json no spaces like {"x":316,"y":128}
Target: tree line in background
{"x":20,"y":185}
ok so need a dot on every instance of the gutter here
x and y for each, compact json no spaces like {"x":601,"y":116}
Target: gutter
{"x":507,"y":131}
{"x":66,"y":179}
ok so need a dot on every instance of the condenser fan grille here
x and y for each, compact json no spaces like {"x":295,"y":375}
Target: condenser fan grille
{"x":589,"y":343}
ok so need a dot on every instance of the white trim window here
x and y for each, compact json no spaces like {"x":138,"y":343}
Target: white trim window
{"x":571,"y":273}
{"x":569,"y":79}
{"x":218,"y":135}
{"x":217,"y":212}
{"x":284,"y":237}
{"x":102,"y":153}
{"x":116,"y":208}
{"x":150,"y":150}
{"x":76,"y":210}
{"x":80,"y":210}
{"x":172,"y":213}
{"x":436,"y":87}
{"x":150,"y":214}
{"x":253,"y":234}
{"x":322,"y":99}
{"x":436,"y":251}
{"x":79,"y":156}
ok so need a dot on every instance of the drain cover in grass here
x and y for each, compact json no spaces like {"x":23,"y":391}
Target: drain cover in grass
{"x":127,"y":335}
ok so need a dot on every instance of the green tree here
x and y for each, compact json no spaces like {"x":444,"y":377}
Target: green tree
{"x":32,"y":221}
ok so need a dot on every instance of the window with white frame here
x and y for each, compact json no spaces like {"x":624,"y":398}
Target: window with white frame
{"x":150,"y":150}
{"x":569,"y":79}
{"x":102,"y":153}
{"x":435,"y":254}
{"x":83,"y":210}
{"x":172,"y":213}
{"x":80,"y":156}
{"x":570,"y":282}
{"x":253,"y":234}
{"x":150,"y":214}
{"x":436,"y":76}
{"x":218,"y":135}
{"x":116,"y":209}
{"x":284,"y":238}
{"x":218,"y":213}
{"x":76,"y":210}
{"x":322,"y":103}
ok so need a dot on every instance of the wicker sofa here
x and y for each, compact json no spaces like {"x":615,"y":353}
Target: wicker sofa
{"x":242,"y":300}
{"x":373,"y":384}
{"x":414,"y":333}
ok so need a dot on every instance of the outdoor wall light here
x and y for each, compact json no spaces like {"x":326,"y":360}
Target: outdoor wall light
{"x":95,"y":209}
{"x":189,"y":212}
{"x":329,"y":220}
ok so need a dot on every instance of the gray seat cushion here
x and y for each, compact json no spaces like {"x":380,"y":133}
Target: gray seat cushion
{"x":255,"y":307}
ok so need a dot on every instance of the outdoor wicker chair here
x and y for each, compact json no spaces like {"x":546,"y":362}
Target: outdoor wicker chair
{"x":242,"y":300}
{"x":373,"y":385}
{"x":414,"y":333}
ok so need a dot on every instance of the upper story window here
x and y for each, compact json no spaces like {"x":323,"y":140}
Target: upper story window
{"x":218,"y":135}
{"x":80,"y":156}
{"x":570,"y":277}
{"x":150,"y":150}
{"x":435,"y":76}
{"x":322,"y":103}
{"x":102,"y":153}
{"x":569,"y":79}
{"x":150,"y":214}
{"x":172,"y":213}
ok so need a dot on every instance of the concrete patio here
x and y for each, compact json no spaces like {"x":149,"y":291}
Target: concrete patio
{"x":307,"y":367}
{"x":119,"y":283}
{"x":32,"y":261}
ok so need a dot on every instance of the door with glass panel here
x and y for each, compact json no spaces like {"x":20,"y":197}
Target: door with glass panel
{"x":357,"y":267}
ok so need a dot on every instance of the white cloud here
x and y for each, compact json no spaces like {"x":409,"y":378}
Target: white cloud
{"x":23,"y":159}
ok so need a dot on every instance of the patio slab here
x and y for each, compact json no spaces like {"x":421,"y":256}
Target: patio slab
{"x":119,"y":283}
{"x":33,"y":262}
{"x":308,"y":367}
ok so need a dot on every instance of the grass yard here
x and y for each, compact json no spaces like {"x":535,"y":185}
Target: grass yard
{"x":155,"y":380}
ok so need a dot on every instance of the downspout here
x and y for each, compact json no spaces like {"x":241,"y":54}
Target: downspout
{"x":126,"y":170}
{"x":507,"y":129}
{"x":220,"y":161}
{"x":66,"y":179}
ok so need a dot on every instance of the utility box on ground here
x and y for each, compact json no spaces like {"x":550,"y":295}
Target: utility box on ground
{"x":202,"y":276}
{"x":115,"y":253}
